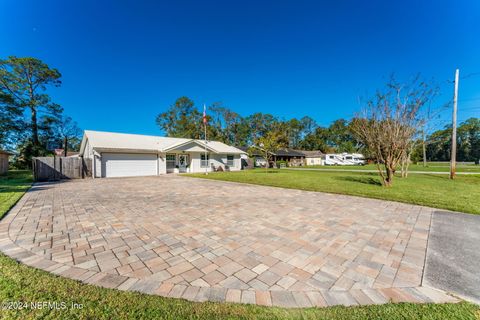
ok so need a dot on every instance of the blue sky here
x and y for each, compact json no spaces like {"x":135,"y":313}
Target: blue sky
{"x":123,"y":62}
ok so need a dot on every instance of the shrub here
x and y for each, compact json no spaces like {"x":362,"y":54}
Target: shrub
{"x":280,"y":162}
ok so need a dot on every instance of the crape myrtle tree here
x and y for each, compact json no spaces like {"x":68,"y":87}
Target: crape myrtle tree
{"x":389,"y":122}
{"x":23,"y":84}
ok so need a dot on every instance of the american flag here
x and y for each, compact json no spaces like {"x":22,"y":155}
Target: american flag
{"x":204,"y":114}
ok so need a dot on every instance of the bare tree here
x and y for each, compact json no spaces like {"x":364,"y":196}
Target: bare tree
{"x":68,"y":130}
{"x":389,"y":122}
{"x":428,"y":116}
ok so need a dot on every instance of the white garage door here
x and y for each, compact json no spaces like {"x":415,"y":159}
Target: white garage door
{"x":128,"y":164}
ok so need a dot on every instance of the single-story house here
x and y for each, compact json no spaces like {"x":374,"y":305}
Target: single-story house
{"x":313,"y":158}
{"x":293,"y":157}
{"x":4,"y":161}
{"x":255,"y":154}
{"x":123,"y":155}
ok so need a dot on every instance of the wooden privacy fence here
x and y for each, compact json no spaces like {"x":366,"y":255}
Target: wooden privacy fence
{"x":57,"y":168}
{"x":3,"y":163}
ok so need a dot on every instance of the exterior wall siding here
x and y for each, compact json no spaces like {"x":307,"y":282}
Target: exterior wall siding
{"x":162,"y":163}
{"x":88,"y":153}
{"x":313,"y":161}
{"x":98,"y":166}
{"x":218,"y":160}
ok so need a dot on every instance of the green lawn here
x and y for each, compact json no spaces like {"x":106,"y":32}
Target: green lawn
{"x":438,"y":191}
{"x":19,"y":283}
{"x":12,"y":188}
{"x":412,"y":167}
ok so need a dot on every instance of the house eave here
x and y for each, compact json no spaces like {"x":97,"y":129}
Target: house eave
{"x":125,"y":150}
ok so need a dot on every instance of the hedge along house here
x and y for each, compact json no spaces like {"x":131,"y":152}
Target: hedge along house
{"x":128,"y":155}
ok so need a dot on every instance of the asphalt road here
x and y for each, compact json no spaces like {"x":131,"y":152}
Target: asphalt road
{"x":368,"y":170}
{"x":453,"y":254}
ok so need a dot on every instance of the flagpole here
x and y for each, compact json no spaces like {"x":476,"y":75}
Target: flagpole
{"x":205,"y":136}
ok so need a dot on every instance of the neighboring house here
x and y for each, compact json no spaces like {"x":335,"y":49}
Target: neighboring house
{"x":313,"y":158}
{"x":344,"y":159}
{"x":4,"y":161}
{"x":255,"y":154}
{"x":291,"y":156}
{"x":294,"y":158}
{"x":123,"y":155}
{"x":61,"y":153}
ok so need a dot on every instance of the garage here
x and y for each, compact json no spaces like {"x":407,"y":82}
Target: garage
{"x":128,"y":164}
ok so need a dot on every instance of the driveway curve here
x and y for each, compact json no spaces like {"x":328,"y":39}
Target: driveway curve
{"x":453,"y":256}
{"x":209,"y":240}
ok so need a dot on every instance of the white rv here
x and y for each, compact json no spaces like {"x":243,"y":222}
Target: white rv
{"x":344,"y":159}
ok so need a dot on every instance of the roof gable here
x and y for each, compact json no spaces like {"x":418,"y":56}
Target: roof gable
{"x":192,"y":146}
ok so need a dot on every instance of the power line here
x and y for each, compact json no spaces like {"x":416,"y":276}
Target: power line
{"x":469,"y":108}
{"x":473,"y":74}
{"x":472,"y":99}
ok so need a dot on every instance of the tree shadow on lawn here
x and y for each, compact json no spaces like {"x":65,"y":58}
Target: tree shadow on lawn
{"x":13,"y":189}
{"x":24,"y":187}
{"x":364,"y":180}
{"x":266,"y":172}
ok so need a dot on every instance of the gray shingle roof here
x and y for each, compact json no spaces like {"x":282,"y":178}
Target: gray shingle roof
{"x":126,"y":141}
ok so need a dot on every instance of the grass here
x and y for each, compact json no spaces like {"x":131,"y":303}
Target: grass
{"x":20,"y":283}
{"x":438,"y":191}
{"x":412,"y":168}
{"x":12,"y":188}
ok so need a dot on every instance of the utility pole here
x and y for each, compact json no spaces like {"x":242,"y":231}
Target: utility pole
{"x":424,"y":149}
{"x":453,"y":157}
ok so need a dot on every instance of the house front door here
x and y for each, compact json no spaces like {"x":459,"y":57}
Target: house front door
{"x":182,"y":162}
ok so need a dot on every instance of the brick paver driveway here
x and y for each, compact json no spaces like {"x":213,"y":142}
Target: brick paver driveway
{"x":209,"y":240}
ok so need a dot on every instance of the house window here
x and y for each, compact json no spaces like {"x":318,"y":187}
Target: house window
{"x":230,"y":160}
{"x":170,"y":161}
{"x":203,"y":162}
